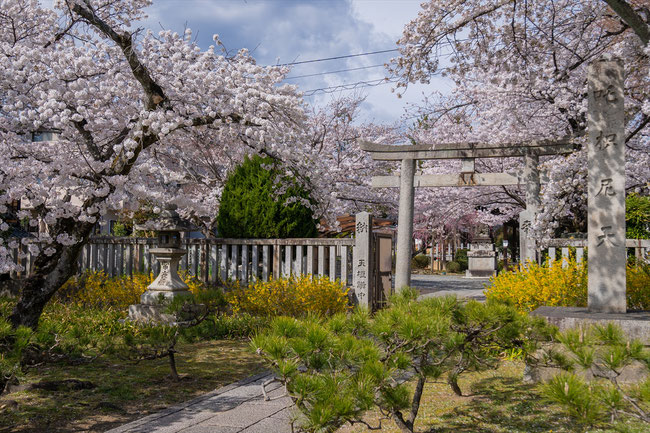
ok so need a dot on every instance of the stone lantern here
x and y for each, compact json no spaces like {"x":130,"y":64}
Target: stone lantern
{"x":168,"y":285}
{"x":481,"y":257}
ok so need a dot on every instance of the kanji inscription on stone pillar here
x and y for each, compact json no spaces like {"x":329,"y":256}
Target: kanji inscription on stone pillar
{"x":606,"y":187}
{"x":361,"y":266}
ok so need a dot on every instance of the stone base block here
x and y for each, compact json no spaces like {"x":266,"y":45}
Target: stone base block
{"x":635,"y":324}
{"x":149,"y":313}
{"x":152,"y":297}
{"x":478,"y":273}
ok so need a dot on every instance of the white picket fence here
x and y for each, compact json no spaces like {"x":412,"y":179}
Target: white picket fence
{"x":562,"y":248}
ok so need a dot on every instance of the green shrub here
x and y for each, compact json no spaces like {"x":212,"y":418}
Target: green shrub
{"x":420,"y":261}
{"x":602,"y":352}
{"x":251,"y":208}
{"x":453,"y":267}
{"x":218,"y":326}
{"x":637,"y":216}
{"x":336,"y":369}
{"x":461,"y":258}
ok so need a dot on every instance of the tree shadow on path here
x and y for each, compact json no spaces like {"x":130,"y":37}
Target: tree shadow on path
{"x":504,"y":404}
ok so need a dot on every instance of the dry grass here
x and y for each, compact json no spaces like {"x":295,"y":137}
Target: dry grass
{"x":496,"y":402}
{"x":124,"y":391}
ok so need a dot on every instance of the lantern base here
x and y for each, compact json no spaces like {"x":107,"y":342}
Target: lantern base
{"x":154,"y":297}
{"x":150,"y":314}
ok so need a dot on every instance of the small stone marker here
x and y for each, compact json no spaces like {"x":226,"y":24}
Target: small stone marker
{"x":481,"y":258}
{"x":606,"y":188}
{"x":362,"y":259}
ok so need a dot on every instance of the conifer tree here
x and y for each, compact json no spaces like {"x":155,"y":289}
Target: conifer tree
{"x":259,"y":201}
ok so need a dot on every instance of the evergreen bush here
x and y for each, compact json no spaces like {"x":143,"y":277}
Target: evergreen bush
{"x":420,"y":261}
{"x":461,"y":258}
{"x":601,"y":353}
{"x":453,"y":267}
{"x":252,"y":208}
{"x":637,"y":216}
{"x":336,"y":369}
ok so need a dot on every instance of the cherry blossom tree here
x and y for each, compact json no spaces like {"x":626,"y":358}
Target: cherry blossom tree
{"x":130,"y":108}
{"x":519,"y":69}
{"x":339,"y":171}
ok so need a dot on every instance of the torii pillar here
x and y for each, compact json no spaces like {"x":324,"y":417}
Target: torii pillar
{"x":405,"y":224}
{"x":527,"y":243}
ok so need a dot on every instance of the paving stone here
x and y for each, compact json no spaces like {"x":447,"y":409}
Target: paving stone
{"x":285,"y":414}
{"x":229,"y":409}
{"x":243,"y":415}
{"x":219,"y":403}
{"x":201,"y":428}
{"x":249,"y":390}
{"x":173,"y":423}
{"x":280,"y":401}
{"x":268,"y":425}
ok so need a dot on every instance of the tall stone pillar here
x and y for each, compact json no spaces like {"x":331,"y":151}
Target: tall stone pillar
{"x":405,"y":225}
{"x":362,"y":260}
{"x":527,"y":244}
{"x":606,"y":188}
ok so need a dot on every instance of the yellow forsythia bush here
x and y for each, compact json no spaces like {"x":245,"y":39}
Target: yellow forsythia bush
{"x":638,"y":287}
{"x":293,"y":296}
{"x":97,"y":289}
{"x":532,"y":286}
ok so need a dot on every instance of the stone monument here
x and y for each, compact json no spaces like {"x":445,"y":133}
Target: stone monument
{"x":481,"y":258}
{"x":606,"y":211}
{"x":168,"y":285}
{"x":607,"y":254}
{"x":362,"y":260}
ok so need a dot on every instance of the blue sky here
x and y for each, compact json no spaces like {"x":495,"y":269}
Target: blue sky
{"x":285,"y":31}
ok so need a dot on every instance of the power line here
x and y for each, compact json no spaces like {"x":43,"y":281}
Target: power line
{"x":350,"y":86}
{"x":335,"y":72}
{"x":360,"y":84}
{"x":338,"y":57}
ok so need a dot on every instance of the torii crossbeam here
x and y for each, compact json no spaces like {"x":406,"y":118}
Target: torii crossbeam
{"x":467,"y":177}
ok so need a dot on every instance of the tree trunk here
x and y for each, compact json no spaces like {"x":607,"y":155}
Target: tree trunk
{"x":417,"y":397}
{"x":404,"y":426}
{"x":48,"y":275}
{"x":172,"y":365}
{"x":453,"y":383}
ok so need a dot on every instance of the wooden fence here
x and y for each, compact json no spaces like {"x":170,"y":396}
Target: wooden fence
{"x":560,"y":249}
{"x":213,"y":260}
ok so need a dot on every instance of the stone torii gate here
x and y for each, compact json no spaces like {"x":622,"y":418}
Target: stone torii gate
{"x":467,"y":152}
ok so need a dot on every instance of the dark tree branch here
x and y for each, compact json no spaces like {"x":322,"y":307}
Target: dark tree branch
{"x":153,"y":92}
{"x":631,"y":18}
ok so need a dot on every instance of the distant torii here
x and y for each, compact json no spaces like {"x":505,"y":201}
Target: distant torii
{"x":467,"y":152}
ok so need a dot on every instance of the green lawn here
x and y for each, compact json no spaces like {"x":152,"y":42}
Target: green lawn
{"x":496,"y":402}
{"x":123,"y":391}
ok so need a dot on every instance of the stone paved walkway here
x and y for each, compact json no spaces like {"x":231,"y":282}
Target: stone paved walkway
{"x":240,"y":407}
{"x":440,"y":285}
{"x":236,"y":408}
